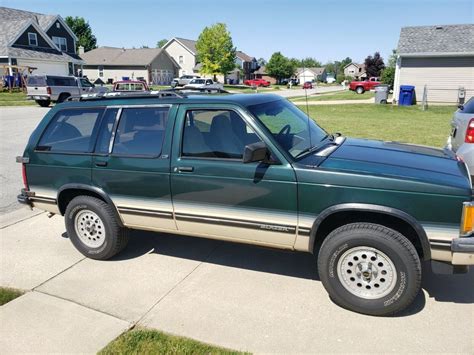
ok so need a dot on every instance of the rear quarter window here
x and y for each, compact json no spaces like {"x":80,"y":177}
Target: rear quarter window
{"x":468,"y":106}
{"x":71,"y":130}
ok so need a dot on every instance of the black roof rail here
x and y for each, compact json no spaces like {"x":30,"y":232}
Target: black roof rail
{"x":166,"y":93}
{"x":129,"y":95}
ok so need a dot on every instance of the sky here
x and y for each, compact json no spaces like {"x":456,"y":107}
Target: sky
{"x":326,"y":30}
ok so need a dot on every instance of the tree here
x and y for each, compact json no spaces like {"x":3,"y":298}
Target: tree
{"x":388,"y":74}
{"x":310,"y":63}
{"x":280,"y":66}
{"x":215,"y":50}
{"x":161,"y":43}
{"x":374,"y":65}
{"x":346,"y":61}
{"x":144,"y":46}
{"x":261,"y":62}
{"x":83,"y":32}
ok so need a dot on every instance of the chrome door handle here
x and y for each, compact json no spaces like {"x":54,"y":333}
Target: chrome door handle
{"x":185,"y":169}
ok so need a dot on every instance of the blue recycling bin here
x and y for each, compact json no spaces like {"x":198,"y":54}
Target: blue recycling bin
{"x":407,"y":95}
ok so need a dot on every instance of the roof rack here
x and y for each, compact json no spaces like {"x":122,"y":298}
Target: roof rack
{"x":166,"y":93}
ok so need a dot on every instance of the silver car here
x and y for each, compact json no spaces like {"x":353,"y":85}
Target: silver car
{"x":45,"y":89}
{"x":461,"y":140}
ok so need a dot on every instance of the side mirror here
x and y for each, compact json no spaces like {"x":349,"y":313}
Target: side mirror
{"x":461,"y":107}
{"x":256,"y":152}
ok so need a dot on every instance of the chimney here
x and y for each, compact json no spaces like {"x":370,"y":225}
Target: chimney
{"x":80,"y":50}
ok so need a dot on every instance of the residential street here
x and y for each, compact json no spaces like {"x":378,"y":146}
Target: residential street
{"x":237,"y":296}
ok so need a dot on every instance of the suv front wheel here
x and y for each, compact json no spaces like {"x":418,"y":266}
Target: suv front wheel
{"x":93,"y":228}
{"x":369,"y":269}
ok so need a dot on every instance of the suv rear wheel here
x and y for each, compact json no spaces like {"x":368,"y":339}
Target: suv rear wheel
{"x":43,"y":103}
{"x":369,"y":269}
{"x":93,"y":228}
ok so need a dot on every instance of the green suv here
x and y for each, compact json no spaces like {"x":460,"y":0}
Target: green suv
{"x":252,"y":169}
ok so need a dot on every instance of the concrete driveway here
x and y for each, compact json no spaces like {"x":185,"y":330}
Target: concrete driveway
{"x":237,"y":296}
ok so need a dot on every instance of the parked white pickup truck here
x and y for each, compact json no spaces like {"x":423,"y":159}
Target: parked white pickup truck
{"x":45,"y":89}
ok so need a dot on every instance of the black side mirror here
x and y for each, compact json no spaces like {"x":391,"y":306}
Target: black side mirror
{"x":256,"y":152}
{"x":461,"y":107}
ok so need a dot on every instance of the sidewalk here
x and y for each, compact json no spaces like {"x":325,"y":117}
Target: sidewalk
{"x":237,"y":296}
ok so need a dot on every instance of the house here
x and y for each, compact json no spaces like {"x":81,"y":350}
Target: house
{"x":311,"y":74}
{"x":42,"y":44}
{"x":438,"y":57}
{"x":245,"y":67}
{"x":183,"y":51}
{"x":262,"y":74}
{"x":356,"y":71}
{"x":111,"y":64}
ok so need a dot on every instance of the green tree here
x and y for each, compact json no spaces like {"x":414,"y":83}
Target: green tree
{"x":374,"y":65}
{"x":280,"y":66}
{"x":161,"y":43}
{"x":388,"y":74}
{"x":83,"y":32}
{"x":215,"y":50}
{"x":261,"y":62}
{"x":346,"y":61}
{"x":310,"y":63}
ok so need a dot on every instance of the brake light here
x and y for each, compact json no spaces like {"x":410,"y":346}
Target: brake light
{"x":48,"y":90}
{"x":470,"y":132}
{"x":23,"y":174}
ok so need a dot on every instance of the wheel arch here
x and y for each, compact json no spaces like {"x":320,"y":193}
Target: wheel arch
{"x":67,"y":192}
{"x":338,"y":215}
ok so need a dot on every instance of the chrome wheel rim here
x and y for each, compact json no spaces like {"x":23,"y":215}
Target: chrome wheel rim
{"x":366,"y":272}
{"x":89,"y":228}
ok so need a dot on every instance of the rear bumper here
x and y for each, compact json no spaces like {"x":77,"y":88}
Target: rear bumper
{"x":24,"y":198}
{"x":38,"y":97}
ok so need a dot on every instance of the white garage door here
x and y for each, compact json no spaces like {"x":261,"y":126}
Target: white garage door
{"x":50,"y":68}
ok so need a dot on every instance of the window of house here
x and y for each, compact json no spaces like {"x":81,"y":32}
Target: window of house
{"x":32,"y":39}
{"x":58,"y":25}
{"x":141,"y":131}
{"x":101,"y":71}
{"x":61,"y":43}
{"x":216,"y":134}
{"x":71,"y":131}
{"x":181,"y":59}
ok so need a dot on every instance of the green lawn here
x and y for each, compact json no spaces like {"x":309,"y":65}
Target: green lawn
{"x":342,"y":95}
{"x":144,"y":341}
{"x":14,"y":99}
{"x":8,"y":294}
{"x":404,"y":124}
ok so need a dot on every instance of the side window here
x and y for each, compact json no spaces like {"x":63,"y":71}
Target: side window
{"x":71,"y":130}
{"x":141,"y":131}
{"x":103,"y":139}
{"x":215,"y":134}
{"x":85,"y":83}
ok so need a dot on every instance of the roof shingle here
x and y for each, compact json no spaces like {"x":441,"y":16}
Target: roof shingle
{"x":120,"y":56}
{"x":436,"y":39}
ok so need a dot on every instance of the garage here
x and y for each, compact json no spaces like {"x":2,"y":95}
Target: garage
{"x":50,"y":68}
{"x":438,"y":58}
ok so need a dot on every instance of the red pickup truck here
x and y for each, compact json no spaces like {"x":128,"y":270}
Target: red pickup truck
{"x":362,"y":86}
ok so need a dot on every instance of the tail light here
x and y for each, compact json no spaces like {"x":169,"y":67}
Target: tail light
{"x":48,"y":90}
{"x":23,"y":174}
{"x":470,"y":132}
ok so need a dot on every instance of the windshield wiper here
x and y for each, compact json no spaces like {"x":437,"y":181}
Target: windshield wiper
{"x":315,"y":148}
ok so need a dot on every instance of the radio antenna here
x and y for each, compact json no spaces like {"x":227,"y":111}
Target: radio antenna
{"x":307,"y":105}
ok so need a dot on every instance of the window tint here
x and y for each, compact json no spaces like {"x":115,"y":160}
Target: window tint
{"x":105,"y":132}
{"x":141,"y":131}
{"x":216,"y":134}
{"x":468,"y":106}
{"x":36,"y":81}
{"x":85,"y":83}
{"x":61,"y":81}
{"x":71,"y":131}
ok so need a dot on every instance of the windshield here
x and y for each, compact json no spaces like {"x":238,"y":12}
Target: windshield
{"x":290,"y":126}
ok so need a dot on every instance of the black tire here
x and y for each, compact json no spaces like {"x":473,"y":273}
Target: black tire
{"x":115,"y":238}
{"x":43,"y":103}
{"x":338,"y":247}
{"x":63,"y":97}
{"x":360,"y":90}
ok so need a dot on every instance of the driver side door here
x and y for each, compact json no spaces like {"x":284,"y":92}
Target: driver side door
{"x":215,"y":194}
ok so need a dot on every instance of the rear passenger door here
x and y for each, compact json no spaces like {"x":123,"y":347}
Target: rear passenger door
{"x":215,"y":194}
{"x":131,"y":164}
